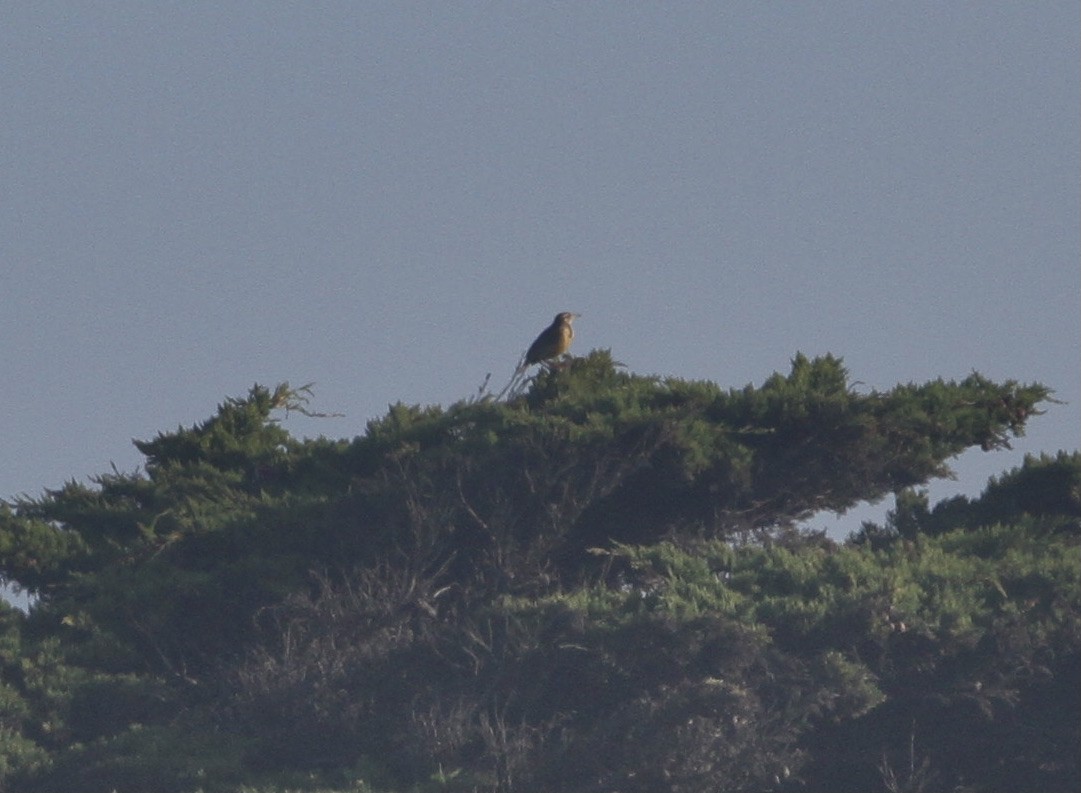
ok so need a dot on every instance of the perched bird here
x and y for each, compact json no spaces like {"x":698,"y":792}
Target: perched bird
{"x":553,"y":341}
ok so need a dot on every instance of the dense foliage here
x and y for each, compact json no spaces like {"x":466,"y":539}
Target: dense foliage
{"x":596,"y":585}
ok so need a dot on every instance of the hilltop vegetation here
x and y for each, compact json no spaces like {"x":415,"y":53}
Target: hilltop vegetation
{"x":597,"y":585}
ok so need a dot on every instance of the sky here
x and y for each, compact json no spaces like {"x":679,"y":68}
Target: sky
{"x":390,"y":200}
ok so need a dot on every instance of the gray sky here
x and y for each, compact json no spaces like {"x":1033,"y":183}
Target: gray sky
{"x":392,"y":199}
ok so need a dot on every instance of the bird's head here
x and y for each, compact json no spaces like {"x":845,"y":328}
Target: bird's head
{"x":566,"y":317}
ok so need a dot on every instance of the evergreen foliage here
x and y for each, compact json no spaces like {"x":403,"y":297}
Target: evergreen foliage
{"x":594,"y":586}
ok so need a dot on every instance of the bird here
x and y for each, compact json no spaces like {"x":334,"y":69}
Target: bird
{"x":553,"y":340}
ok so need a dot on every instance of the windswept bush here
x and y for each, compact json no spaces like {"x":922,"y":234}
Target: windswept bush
{"x":597,"y":585}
